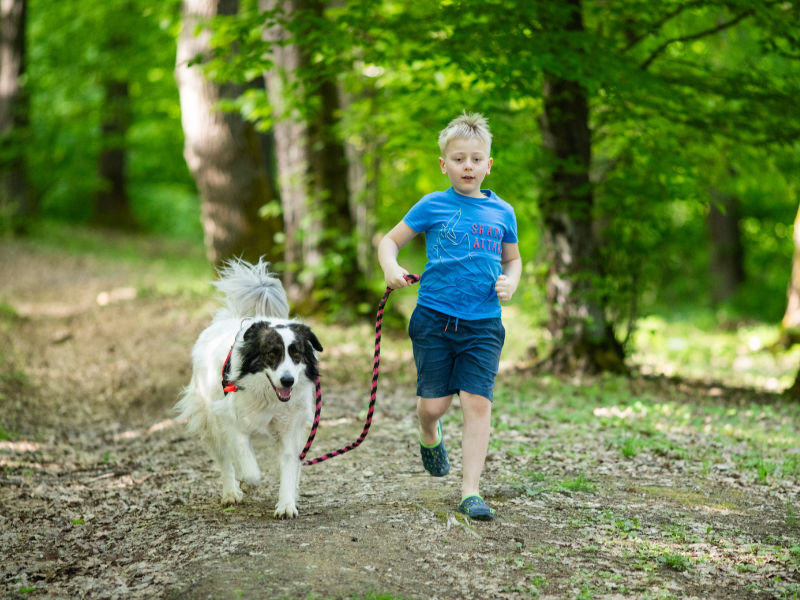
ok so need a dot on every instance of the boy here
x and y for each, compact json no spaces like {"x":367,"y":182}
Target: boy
{"x":456,"y":331}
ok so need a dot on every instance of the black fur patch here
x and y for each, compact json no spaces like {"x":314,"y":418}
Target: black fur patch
{"x":262,"y":347}
{"x":307,"y":342}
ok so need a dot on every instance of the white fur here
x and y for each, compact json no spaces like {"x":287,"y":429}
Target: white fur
{"x":227,"y":422}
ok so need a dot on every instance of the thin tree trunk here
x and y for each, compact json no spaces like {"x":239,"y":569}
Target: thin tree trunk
{"x":727,"y":254}
{"x":331,"y":190}
{"x":362,"y":181}
{"x":291,"y":153}
{"x":583,"y":341}
{"x":790,"y":324}
{"x":16,"y":199}
{"x":112,"y":203}
{"x":223,"y":151}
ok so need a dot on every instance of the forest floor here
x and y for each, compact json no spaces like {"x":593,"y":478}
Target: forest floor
{"x":104,"y":495}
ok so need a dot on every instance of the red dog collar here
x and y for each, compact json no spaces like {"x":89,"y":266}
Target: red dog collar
{"x":227,"y":385}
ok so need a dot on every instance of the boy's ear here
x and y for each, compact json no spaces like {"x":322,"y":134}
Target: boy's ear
{"x":489,"y":165}
{"x":441,"y":165}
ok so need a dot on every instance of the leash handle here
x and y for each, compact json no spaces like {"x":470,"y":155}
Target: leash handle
{"x":411,"y":278}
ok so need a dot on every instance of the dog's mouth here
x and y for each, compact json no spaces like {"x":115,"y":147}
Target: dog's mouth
{"x":283,"y":393}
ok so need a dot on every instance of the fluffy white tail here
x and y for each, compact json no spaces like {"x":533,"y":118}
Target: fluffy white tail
{"x":251,"y":290}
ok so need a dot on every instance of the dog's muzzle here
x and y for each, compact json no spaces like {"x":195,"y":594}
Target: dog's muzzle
{"x":284,"y":393}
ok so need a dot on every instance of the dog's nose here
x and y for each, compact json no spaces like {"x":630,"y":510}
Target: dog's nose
{"x":287,"y":381}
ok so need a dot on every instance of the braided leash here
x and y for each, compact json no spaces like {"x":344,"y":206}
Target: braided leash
{"x":373,"y":395}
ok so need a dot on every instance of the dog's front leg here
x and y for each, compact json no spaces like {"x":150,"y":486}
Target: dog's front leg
{"x":231,"y":492}
{"x":290,"y":478}
{"x":245,"y":460}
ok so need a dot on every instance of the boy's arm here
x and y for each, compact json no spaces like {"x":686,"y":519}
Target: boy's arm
{"x":388,"y":250}
{"x":507,"y":283}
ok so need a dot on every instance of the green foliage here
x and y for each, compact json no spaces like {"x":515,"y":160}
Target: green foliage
{"x":661,"y":108}
{"x":692,"y":343}
{"x":7,"y":312}
{"x":577,"y":484}
{"x":674,"y":561}
{"x":685,"y":98}
{"x":72,"y":51}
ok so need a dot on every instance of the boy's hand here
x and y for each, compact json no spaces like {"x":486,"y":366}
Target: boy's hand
{"x":504,"y":288}
{"x":395,"y":277}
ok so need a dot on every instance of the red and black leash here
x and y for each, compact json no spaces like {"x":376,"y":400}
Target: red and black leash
{"x":373,"y":395}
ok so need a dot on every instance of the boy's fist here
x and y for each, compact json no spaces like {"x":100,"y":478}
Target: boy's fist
{"x":503,"y":288}
{"x":396,"y":278}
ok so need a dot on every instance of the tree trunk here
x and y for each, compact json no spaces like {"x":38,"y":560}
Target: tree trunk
{"x":727,"y":254}
{"x":312,"y":170}
{"x":331,"y":190}
{"x":291,"y":153}
{"x":790,"y":324}
{"x":16,"y":199}
{"x":362,"y":181}
{"x":112,"y":203}
{"x":583,"y":341}
{"x":223,"y":151}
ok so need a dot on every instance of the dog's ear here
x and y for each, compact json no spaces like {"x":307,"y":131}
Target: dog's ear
{"x":305,"y":332}
{"x":312,"y":339}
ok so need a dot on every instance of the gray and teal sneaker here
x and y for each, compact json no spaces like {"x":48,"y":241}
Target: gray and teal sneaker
{"x":475,"y":508}
{"x":434,"y":458}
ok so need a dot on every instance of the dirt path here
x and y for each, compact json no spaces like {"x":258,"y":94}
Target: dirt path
{"x":102,"y":495}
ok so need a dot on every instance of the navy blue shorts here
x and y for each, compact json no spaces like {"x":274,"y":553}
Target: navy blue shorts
{"x":455,"y":354}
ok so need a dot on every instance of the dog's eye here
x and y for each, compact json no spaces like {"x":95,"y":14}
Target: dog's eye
{"x":273,"y":355}
{"x":294,"y":353}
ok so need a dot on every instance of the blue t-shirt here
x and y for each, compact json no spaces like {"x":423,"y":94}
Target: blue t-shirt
{"x":464,"y":238}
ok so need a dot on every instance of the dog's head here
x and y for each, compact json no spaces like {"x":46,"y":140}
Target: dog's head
{"x":284,"y":351}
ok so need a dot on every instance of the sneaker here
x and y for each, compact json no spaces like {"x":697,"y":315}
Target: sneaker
{"x":475,"y":508}
{"x":434,"y":458}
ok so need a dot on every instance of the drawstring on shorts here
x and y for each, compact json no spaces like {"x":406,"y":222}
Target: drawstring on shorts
{"x":448,"y":323}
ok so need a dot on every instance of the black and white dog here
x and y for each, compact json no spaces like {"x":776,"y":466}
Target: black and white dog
{"x":253,"y":372}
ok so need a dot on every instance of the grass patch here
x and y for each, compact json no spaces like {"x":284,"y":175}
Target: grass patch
{"x":7,"y":312}
{"x":696,"y":347}
{"x":161,"y":266}
{"x":577,"y":484}
{"x":621,"y":526}
{"x":688,"y":498}
{"x":630,"y":446}
{"x":14,"y":376}
{"x":792,"y":517}
{"x":674,"y":561}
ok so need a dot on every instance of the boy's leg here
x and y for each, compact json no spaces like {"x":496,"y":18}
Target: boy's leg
{"x":429,"y":411}
{"x":477,"y":411}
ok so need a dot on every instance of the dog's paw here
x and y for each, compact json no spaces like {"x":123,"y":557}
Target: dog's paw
{"x":230,"y":497}
{"x":285,"y":510}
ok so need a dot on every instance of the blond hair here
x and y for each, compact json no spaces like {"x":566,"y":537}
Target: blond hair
{"x":466,"y":125}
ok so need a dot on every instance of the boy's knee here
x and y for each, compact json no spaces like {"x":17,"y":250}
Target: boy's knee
{"x":474,"y":404}
{"x":430,"y":409}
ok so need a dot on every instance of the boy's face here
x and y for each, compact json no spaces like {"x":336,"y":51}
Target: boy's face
{"x":466,"y":163}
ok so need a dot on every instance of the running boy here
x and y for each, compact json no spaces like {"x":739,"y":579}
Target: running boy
{"x":456,"y":331}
